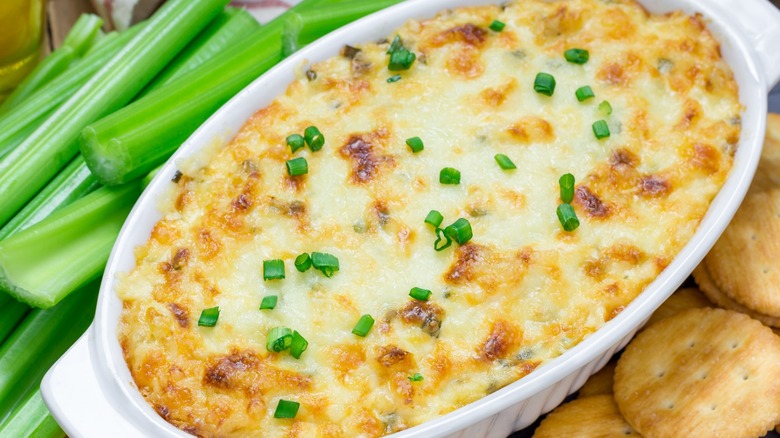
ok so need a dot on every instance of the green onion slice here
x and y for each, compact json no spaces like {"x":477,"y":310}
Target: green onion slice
{"x":298,"y":345}
{"x":401,"y":60}
{"x":441,"y":235}
{"x":605,"y":108}
{"x":303,"y":262}
{"x":600,"y":129}
{"x":415,"y":144}
{"x":584,"y":93}
{"x":449,"y":175}
{"x":420,"y":294}
{"x":544,"y":84}
{"x":273,"y":269}
{"x":314,"y":138}
{"x":434,"y":218}
{"x":396,"y":45}
{"x":577,"y":56}
{"x":567,"y":188}
{"x":504,"y":162}
{"x":286,"y":409}
{"x":269,"y":302}
{"x":568,"y":217}
{"x":295,"y":141}
{"x":417,"y":377}
{"x":460,"y":231}
{"x":279,"y":339}
{"x":394,"y":78}
{"x":209,"y":317}
{"x":497,"y":26}
{"x":325,"y":263}
{"x":363,"y":325}
{"x":297,"y":166}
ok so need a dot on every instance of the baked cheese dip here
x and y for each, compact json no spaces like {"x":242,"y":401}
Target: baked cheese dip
{"x":422,"y":220}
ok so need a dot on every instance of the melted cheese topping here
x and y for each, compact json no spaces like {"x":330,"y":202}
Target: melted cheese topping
{"x":521,"y":292}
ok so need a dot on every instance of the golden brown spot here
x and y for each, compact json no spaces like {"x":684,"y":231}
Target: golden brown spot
{"x":346,"y":358}
{"x":614,"y":312}
{"x":244,"y":370}
{"x":165,"y":233}
{"x":612,"y":74}
{"x":381,"y":212}
{"x":705,"y":157}
{"x":181,"y":314}
{"x":617,"y":24}
{"x":652,"y":186}
{"x":532,"y":130}
{"x":466,"y":33}
{"x":588,"y":200}
{"x":595,"y":269}
{"x":467,"y":256}
{"x":294,"y":183}
{"x":208,"y":245}
{"x":427,"y":315}
{"x":503,"y":337}
{"x":183,"y":199}
{"x":623,"y":157}
{"x":390,"y":356}
{"x":465,"y":62}
{"x":365,"y":161}
{"x":563,"y":21}
{"x":494,"y":97}
{"x":180,"y":259}
{"x":660,"y":263}
{"x":626,"y":253}
{"x":241,"y":203}
{"x":692,"y":113}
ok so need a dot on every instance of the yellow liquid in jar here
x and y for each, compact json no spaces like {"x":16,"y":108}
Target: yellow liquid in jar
{"x":22,"y":23}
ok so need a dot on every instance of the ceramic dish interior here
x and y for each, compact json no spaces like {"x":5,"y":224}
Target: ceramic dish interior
{"x":90,"y":390}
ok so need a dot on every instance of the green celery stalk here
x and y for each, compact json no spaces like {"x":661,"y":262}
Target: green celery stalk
{"x":70,"y":184}
{"x":33,"y":163}
{"x":229,"y":29}
{"x":20,"y":135}
{"x":32,"y":419}
{"x":76,"y":43}
{"x":12,"y":313}
{"x":44,"y":101}
{"x":38,"y":342}
{"x":45,"y":262}
{"x":128,"y":143}
{"x":321,"y":19}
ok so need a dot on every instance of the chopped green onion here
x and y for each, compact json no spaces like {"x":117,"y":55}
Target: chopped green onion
{"x":460,"y":231}
{"x":325,"y":263}
{"x":295,"y":141}
{"x":269,"y":302}
{"x":600,"y":129}
{"x":567,"y":188}
{"x":314,"y":138}
{"x":544,"y":84}
{"x":420,"y":294}
{"x":449,"y":175}
{"x":298,"y":346}
{"x":605,"y":108}
{"x":415,"y":144}
{"x":434,"y":218}
{"x":401,"y":60}
{"x":497,"y":26}
{"x":279,"y":339}
{"x":584,"y":93}
{"x":396,"y":45}
{"x":273,"y":269}
{"x":394,"y":78}
{"x":440,"y":235}
{"x":577,"y":56}
{"x":209,"y":317}
{"x":303,"y":262}
{"x":568,"y":217}
{"x":363,"y":325}
{"x":297,"y":166}
{"x":417,"y":377}
{"x":504,"y":162}
{"x":286,"y":409}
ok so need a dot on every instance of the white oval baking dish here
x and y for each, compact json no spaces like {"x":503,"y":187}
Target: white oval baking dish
{"x":91,"y":393}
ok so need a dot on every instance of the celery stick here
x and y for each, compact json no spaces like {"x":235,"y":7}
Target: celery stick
{"x":229,"y":29}
{"x":321,"y":19}
{"x":34,"y":162}
{"x":12,"y":312}
{"x":51,"y":95}
{"x":70,"y":184}
{"x":21,"y":134}
{"x":45,"y":262}
{"x":38,"y":342}
{"x":76,"y":43}
{"x":32,"y":419}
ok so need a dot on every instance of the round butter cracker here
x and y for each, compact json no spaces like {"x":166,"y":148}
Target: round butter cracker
{"x":743,"y":264}
{"x":703,"y":372}
{"x":682,"y":299}
{"x":595,"y":416}
{"x":708,"y":287}
{"x":600,"y":382}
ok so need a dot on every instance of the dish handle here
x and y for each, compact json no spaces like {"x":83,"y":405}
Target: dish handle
{"x":74,"y":396}
{"x":759,"y":20}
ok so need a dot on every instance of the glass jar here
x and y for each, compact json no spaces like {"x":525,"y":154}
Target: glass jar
{"x":22,"y":27}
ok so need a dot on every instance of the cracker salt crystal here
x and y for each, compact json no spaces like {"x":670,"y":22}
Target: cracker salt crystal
{"x":702,"y":372}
